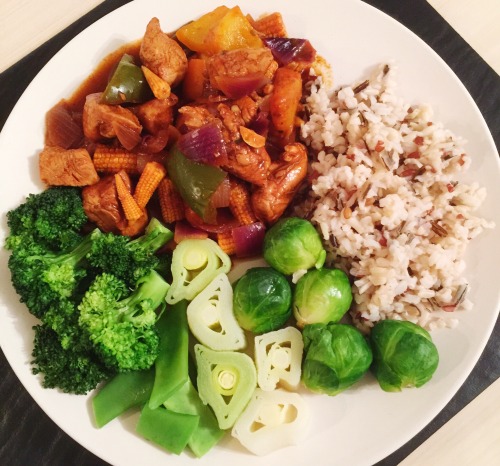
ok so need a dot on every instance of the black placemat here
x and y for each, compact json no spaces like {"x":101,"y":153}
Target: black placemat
{"x":29,"y":437}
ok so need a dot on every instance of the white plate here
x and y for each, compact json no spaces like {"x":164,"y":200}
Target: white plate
{"x":364,"y":424}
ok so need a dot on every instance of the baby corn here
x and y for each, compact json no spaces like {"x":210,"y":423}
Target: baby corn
{"x":131,"y":209}
{"x":239,"y":203}
{"x":149,"y":180}
{"x":171,"y":204}
{"x":112,"y":160}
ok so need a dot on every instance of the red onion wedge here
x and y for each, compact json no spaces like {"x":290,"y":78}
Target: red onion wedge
{"x":240,"y":86}
{"x":249,"y":239}
{"x":184,"y":230}
{"x":61,"y":129}
{"x":128,"y":136}
{"x":286,"y":50}
{"x":204,"y":145}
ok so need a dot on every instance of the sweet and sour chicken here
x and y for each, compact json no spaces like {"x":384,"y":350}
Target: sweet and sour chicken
{"x":222,"y":96}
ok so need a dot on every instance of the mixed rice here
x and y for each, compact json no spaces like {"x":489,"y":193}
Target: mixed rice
{"x":387,"y":199}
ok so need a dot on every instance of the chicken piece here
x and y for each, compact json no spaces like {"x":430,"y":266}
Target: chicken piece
{"x":193,"y":117}
{"x":156,"y":114}
{"x":248,"y":163}
{"x":270,"y":200}
{"x":247,"y":108}
{"x":232,"y":120}
{"x":66,"y":167}
{"x":241,"y":63}
{"x":101,"y":203}
{"x":103,"y":121}
{"x":162,"y":55}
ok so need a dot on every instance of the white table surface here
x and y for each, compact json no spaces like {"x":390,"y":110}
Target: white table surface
{"x":472,"y":437}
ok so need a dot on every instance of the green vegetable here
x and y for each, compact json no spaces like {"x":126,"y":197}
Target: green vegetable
{"x":120,"y":323}
{"x":207,"y":434}
{"x":211,"y":318}
{"x":262,"y":300}
{"x":70,"y":370}
{"x":123,"y":392}
{"x":226,"y":381}
{"x":403,"y":355}
{"x":293,"y":244}
{"x":171,"y":365}
{"x":127,"y":84}
{"x":42,"y":278}
{"x":196,"y":182}
{"x":321,"y":296}
{"x":336,"y":357}
{"x":195,"y":263}
{"x":52,"y":219}
{"x":168,"y":429}
{"x":126,"y":258}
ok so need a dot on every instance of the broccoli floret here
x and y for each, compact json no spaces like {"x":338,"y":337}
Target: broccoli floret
{"x":42,"y":277}
{"x":120,"y":323}
{"x":69,"y":369}
{"x":53,"y":218}
{"x":129,"y":259}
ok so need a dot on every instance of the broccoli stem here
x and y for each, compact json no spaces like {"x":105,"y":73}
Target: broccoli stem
{"x":151,"y":287}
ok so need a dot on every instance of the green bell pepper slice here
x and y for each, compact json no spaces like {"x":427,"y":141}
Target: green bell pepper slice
{"x":127,"y":84}
{"x":196,"y":182}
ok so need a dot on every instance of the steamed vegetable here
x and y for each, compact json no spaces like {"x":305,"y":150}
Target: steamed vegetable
{"x":126,"y":258}
{"x":166,"y":428}
{"x":404,"y":355}
{"x":282,"y":418}
{"x":211,"y":319}
{"x":121,"y":323}
{"x":124,"y":391}
{"x":293,"y":244}
{"x":336,"y":357}
{"x":171,"y":364}
{"x":278,"y":358}
{"x":53,"y":219}
{"x":195,"y":263}
{"x":71,"y":370}
{"x":207,"y":433}
{"x":226,"y":381}
{"x":262,"y":300}
{"x":321,"y":296}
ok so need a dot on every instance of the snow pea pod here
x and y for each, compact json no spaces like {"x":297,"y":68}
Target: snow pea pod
{"x":171,"y":365}
{"x":127,"y":84}
{"x":124,"y":391}
{"x":168,"y":429}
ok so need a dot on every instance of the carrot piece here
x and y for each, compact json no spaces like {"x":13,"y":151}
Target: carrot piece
{"x":194,"y":80}
{"x":149,"y":180}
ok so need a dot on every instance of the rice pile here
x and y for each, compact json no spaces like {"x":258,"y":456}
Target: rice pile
{"x":386,"y":198}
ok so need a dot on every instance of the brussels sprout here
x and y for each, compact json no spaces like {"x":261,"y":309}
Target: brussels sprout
{"x":321,"y":296}
{"x":262,"y":300}
{"x":336,"y":356}
{"x":403,"y":355}
{"x":293,"y":244}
